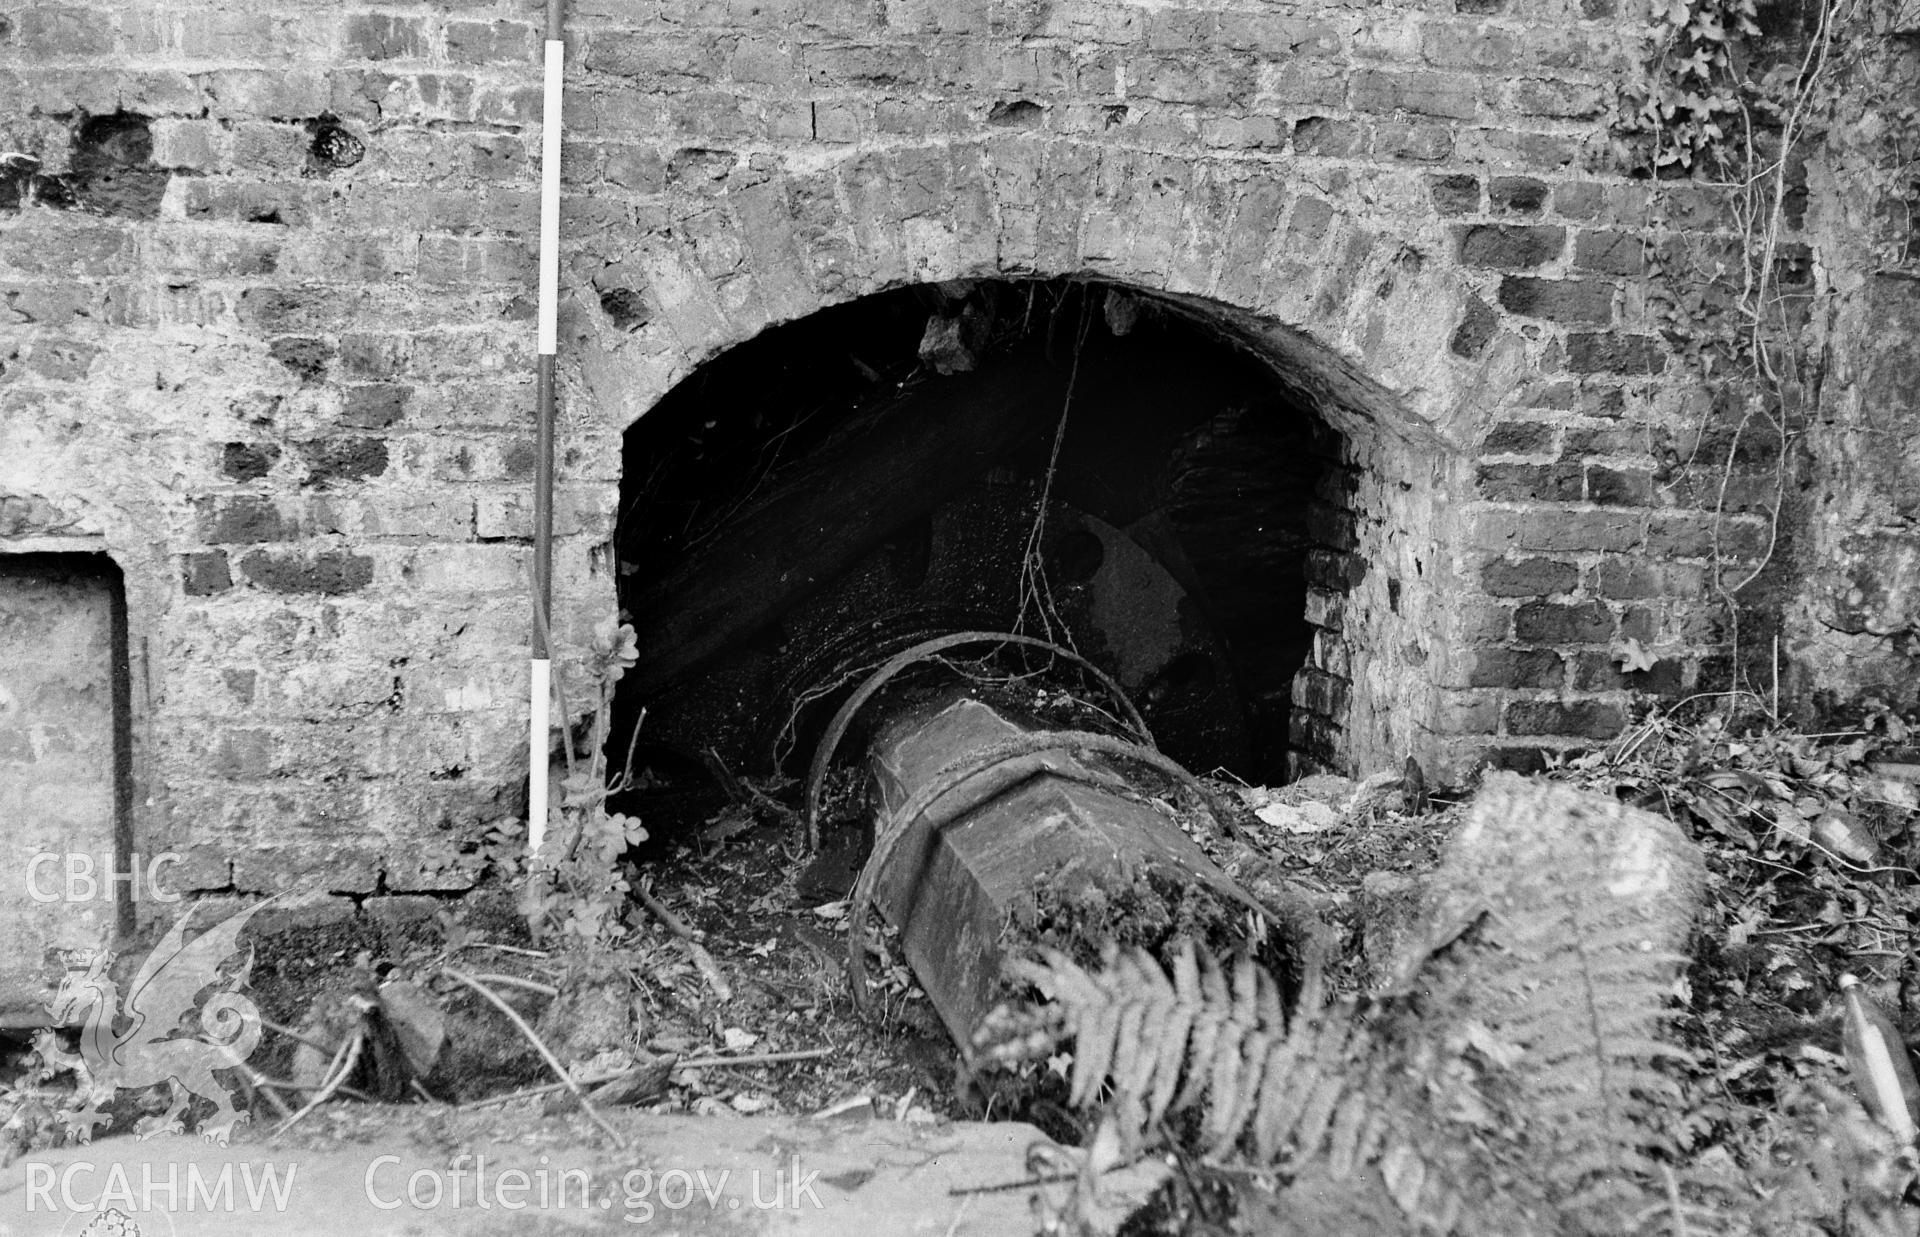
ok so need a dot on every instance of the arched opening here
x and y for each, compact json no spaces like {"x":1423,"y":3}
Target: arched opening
{"x":1069,"y":458}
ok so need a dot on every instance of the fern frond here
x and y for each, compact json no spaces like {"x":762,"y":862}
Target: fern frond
{"x":1692,"y":1205}
{"x":1587,"y":904}
{"x":1272,"y":1091}
{"x":1577,"y":908}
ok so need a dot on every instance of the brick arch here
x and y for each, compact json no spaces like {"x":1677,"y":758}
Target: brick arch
{"x":1363,"y":315}
{"x":1357,"y":319}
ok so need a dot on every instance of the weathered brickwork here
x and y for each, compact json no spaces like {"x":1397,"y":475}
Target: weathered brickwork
{"x":1852,"y":623}
{"x":269,"y":305}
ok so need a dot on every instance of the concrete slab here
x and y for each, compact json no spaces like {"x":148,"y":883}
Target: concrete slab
{"x":436,"y":1172}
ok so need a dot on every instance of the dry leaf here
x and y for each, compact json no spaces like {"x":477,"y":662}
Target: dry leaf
{"x":1631,"y":657}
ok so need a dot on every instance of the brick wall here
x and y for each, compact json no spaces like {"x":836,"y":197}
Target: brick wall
{"x":269,"y":294}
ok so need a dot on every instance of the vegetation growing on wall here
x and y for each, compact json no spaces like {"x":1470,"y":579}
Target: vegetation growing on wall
{"x":1739,"y":99}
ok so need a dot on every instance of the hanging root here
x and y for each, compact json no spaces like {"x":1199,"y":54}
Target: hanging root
{"x":337,"y":1073}
{"x":722,"y":990}
{"x":1034,"y":589}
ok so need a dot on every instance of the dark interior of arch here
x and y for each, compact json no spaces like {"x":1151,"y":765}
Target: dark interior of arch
{"x":843,"y":486}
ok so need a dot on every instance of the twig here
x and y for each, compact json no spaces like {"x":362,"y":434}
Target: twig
{"x":758,"y":1058}
{"x":722,"y":990}
{"x":559,"y":1070}
{"x":261,"y":1086}
{"x":839,"y":1106}
{"x":624,"y":781}
{"x":1026,"y":1183}
{"x":701,"y":958}
{"x":743,"y":793}
{"x":547,"y":1088}
{"x":514,"y":981}
{"x":288,"y":1084}
{"x":338,"y":1074}
{"x":511,"y":949}
{"x":299,"y":1038}
{"x":723,"y":775}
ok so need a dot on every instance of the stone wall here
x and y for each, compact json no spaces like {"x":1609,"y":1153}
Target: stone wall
{"x":59,"y":762}
{"x":269,"y":293}
{"x":1852,"y":602}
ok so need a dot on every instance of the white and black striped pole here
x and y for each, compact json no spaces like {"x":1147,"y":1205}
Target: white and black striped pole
{"x":541,"y":688}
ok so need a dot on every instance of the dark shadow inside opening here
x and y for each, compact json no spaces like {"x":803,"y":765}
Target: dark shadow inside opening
{"x":843,"y":486}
